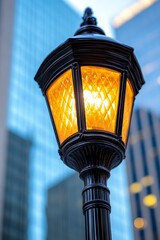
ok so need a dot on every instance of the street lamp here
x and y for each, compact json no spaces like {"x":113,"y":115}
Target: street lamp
{"x":90,"y":83}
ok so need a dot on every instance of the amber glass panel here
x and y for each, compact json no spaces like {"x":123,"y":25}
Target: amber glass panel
{"x":129,"y":97}
{"x":101,"y":93}
{"x":62,"y":104}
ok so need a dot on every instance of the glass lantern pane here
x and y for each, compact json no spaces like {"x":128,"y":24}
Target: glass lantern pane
{"x":129,"y":97}
{"x":62,"y":104}
{"x":101,"y":93}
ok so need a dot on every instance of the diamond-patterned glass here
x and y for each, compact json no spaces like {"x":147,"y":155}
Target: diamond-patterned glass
{"x":129,"y":97}
{"x":101,"y":88}
{"x":62,"y":104}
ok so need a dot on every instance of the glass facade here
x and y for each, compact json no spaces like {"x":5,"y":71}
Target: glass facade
{"x":72,"y":226}
{"x":37,"y":29}
{"x":143,"y":164}
{"x":16,"y":188}
{"x":120,"y":204}
{"x":142,"y":32}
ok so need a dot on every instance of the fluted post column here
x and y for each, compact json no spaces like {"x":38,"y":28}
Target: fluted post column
{"x":96,"y":203}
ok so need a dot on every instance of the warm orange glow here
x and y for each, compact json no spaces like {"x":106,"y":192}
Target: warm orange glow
{"x":129,"y":97}
{"x":135,"y":187}
{"x":101,"y":93}
{"x":147,"y":181}
{"x":150,"y":200}
{"x":62,"y":104}
{"x":139,"y":223}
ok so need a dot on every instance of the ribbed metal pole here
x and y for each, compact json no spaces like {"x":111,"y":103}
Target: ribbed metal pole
{"x":96,"y":203}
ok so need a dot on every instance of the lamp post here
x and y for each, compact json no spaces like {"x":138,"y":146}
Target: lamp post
{"x":90,"y":83}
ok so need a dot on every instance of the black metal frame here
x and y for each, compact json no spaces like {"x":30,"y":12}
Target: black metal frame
{"x":93,"y":153}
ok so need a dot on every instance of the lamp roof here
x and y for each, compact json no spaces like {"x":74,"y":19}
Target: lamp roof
{"x":90,"y":46}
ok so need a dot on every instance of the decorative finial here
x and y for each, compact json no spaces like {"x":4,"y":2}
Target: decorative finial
{"x":88,"y":18}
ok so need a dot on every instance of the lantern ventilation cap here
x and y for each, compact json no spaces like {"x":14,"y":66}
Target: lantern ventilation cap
{"x":89,"y":24}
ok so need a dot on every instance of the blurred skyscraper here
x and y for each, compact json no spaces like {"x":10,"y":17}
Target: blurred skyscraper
{"x":15,"y":206}
{"x":64,"y":208}
{"x":66,"y":221}
{"x":143,"y":164}
{"x":138,"y":26}
{"x":29,"y":30}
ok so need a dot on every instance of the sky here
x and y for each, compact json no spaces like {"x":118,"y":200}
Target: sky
{"x":104,"y":10}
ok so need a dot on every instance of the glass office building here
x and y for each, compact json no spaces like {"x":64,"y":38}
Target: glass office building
{"x":143,"y":164}
{"x":138,"y":26}
{"x":34,"y":29}
{"x":38,"y":28}
{"x":16,"y":188}
{"x":68,"y":193}
{"x":67,"y":221}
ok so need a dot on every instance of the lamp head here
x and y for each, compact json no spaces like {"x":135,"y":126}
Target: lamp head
{"x":90,"y":83}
